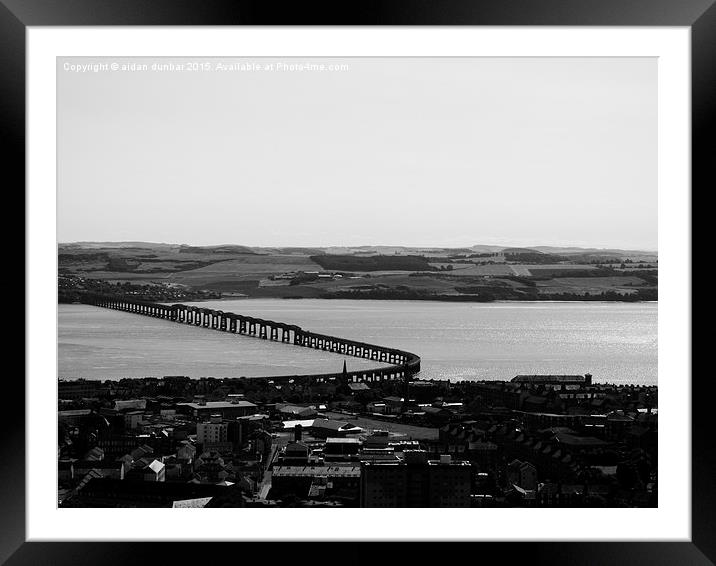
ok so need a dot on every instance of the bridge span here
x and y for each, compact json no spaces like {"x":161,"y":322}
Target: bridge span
{"x":402,"y":364}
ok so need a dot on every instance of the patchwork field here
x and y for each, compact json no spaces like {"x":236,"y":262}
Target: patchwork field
{"x":582,"y":285}
{"x":364,"y":272}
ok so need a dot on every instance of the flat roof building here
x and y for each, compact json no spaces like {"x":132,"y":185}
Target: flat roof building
{"x":227,"y":409}
{"x":585,"y":379}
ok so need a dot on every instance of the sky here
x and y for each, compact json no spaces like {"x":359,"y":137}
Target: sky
{"x":379,"y":151}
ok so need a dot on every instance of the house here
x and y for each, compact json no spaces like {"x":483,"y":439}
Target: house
{"x":141,"y":452}
{"x":115,"y":470}
{"x":95,"y":454}
{"x":210,"y":467}
{"x":147,"y":469}
{"x":186,"y":452}
{"x":522,"y":474}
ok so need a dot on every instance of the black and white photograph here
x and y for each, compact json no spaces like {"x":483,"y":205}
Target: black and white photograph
{"x":395,"y":273}
{"x":368,"y":282}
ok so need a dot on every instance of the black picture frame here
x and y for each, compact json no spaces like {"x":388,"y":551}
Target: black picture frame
{"x":699,"y":15}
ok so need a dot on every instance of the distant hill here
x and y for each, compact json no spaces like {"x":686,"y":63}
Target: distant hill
{"x":136,"y":245}
{"x":594,"y":251}
{"x":223,"y":249}
{"x":570,"y":251}
{"x":518,"y":251}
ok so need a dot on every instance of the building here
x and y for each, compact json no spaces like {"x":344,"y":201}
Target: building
{"x":210,"y":467}
{"x":416,"y":482}
{"x":323,"y":428}
{"x":130,"y":405}
{"x":73,"y":417}
{"x":81,"y":388}
{"x":132,"y":419}
{"x":295,"y":412}
{"x":378,"y":439}
{"x":560,"y":381}
{"x":115,"y":469}
{"x":213,"y":433}
{"x":186,"y":452}
{"x":227,"y":409}
{"x":394,"y":404}
{"x":377,"y":407}
{"x":337,"y":449}
{"x":147,"y":469}
{"x":295,"y":453}
{"x":334,"y":481}
{"x":522,"y":474}
{"x":106,"y":492}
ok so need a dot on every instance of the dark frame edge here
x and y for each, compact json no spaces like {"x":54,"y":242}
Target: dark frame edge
{"x":12,"y":117}
{"x":703,"y":108}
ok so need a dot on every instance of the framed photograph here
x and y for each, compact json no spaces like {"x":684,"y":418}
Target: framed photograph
{"x":395,"y":275}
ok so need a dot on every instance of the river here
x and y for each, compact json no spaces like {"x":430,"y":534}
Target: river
{"x":615,"y":342}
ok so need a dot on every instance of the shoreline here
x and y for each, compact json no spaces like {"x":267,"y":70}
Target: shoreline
{"x":402,"y":300}
{"x":268,"y":378}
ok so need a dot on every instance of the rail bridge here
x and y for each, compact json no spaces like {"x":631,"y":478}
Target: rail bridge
{"x":401,"y":364}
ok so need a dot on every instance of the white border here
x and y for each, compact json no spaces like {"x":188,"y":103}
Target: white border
{"x":672,"y":519}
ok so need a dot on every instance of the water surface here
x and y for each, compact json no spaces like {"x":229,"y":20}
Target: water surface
{"x":615,"y":342}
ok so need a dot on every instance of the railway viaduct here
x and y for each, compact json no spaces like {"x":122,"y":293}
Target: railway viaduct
{"x":401,"y":364}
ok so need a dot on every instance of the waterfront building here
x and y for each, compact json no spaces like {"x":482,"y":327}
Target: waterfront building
{"x":557,"y":381}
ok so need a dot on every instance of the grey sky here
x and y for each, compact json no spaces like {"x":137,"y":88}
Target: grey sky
{"x":394,"y":151}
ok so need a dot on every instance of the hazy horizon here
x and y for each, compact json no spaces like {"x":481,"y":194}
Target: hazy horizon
{"x":417,"y":152}
{"x":220,"y":244}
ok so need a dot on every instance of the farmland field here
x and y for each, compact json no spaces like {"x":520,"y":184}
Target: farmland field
{"x":590,"y":284}
{"x":175,"y":271}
